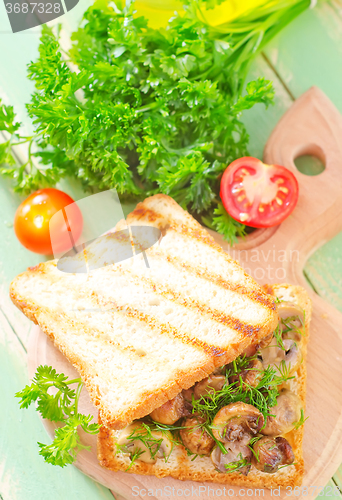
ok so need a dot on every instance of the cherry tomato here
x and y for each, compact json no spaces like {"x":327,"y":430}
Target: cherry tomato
{"x":257,"y":194}
{"x":32,"y":222}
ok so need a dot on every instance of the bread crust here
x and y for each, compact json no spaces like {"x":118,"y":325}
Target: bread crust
{"x":184,"y":469}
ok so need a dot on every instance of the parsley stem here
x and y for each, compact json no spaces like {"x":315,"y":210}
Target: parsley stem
{"x":151,"y":106}
{"x":78,"y":393}
{"x":74,"y":381}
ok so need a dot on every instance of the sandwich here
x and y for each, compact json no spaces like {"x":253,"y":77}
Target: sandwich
{"x":242,"y":425}
{"x":139,"y":334}
{"x":181,"y":351}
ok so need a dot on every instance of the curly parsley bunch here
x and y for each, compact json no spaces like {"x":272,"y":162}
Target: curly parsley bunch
{"x":146,"y":110}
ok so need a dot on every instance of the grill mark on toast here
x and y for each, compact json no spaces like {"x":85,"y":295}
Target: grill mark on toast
{"x":93,"y":333}
{"x":149,"y":320}
{"x":165,"y":328}
{"x":261,"y":298}
{"x":154,"y":324}
{"x":89,"y":333}
{"x":198,"y":234}
{"x":141,"y":212}
{"x":244,"y":329}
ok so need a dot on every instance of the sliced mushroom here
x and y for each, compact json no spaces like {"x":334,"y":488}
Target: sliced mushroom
{"x":251,"y":375}
{"x":209,"y":385}
{"x":287,"y":356}
{"x":254,"y":348}
{"x":293,"y":356}
{"x":237,"y":422}
{"x":219,"y":370}
{"x":171,"y":411}
{"x":285,"y":414}
{"x":135,"y":438}
{"x":195,"y":437}
{"x":238,"y":458}
{"x":265,"y":341}
{"x":250,"y":350}
{"x":188,"y":393}
{"x":291,"y":315}
{"x":270,"y":453}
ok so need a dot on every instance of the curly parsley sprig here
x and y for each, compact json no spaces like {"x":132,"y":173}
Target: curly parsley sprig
{"x":58,"y":402}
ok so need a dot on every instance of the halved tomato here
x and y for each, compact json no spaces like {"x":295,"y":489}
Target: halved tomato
{"x":257,"y":194}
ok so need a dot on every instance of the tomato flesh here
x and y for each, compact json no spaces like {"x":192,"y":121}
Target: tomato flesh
{"x":257,"y":194}
{"x":32,"y":222}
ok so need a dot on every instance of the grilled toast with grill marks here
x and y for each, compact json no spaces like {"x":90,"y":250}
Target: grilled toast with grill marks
{"x":138,"y":335}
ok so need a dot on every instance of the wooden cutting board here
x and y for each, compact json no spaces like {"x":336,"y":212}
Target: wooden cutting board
{"x":311,"y":126}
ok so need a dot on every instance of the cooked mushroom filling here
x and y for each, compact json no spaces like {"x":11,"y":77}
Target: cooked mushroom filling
{"x":143,"y":444}
{"x":171,"y":411}
{"x":236,"y":459}
{"x":237,"y":422}
{"x":195,"y":438}
{"x":238,"y":415}
{"x":270,"y":453}
{"x":284,"y":415}
{"x":251,"y":375}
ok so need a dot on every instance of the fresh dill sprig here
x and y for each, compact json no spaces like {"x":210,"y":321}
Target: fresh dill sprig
{"x":218,"y":443}
{"x":144,"y":435}
{"x":263,"y":396}
{"x":255,"y":439}
{"x":176,"y":438}
{"x":288,"y":325}
{"x":237,"y":464}
{"x":301,"y":420}
{"x":172,"y":432}
{"x":287,"y":465}
{"x":284,"y":371}
{"x":239,"y":364}
{"x":252,"y":442}
{"x":164,"y":427}
{"x":133,"y":457}
{"x":278,"y":336}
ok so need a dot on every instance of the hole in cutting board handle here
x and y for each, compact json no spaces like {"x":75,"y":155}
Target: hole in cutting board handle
{"x":310,"y":160}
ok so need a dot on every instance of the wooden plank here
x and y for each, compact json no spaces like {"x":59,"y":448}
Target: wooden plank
{"x":260,"y":121}
{"x":23,"y":473}
{"x":324,"y":271}
{"x":16,"y":50}
{"x":309,"y":51}
{"x":21,"y":468}
{"x":338,"y":479}
{"x":331,"y":490}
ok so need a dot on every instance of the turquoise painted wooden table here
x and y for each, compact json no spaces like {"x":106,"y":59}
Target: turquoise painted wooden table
{"x":308,"y":52}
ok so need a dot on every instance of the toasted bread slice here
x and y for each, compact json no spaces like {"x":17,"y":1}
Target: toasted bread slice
{"x":138,"y":335}
{"x":181,"y":466}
